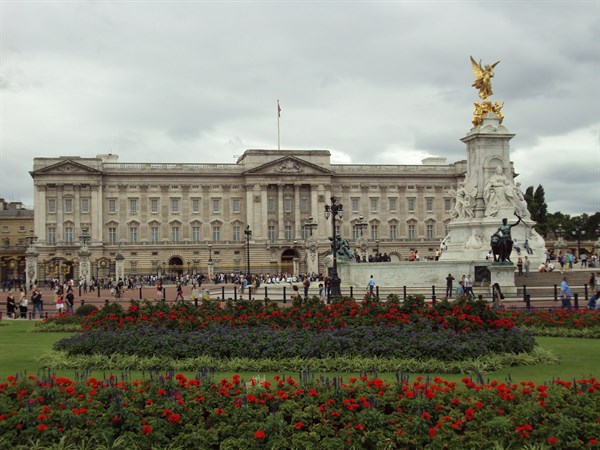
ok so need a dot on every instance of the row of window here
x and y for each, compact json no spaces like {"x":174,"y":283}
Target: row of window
{"x":68,"y":205}
{"x":236,"y":205}
{"x":393,"y":204}
{"x":236,"y":233}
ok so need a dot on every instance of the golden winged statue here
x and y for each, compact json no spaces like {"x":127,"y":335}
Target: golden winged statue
{"x":483,"y":78}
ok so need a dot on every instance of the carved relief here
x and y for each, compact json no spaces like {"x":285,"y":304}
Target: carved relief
{"x":289,"y":167}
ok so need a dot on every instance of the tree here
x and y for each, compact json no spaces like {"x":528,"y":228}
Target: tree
{"x":539,"y":200}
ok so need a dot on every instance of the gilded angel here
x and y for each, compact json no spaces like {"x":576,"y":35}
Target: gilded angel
{"x":483,"y":77}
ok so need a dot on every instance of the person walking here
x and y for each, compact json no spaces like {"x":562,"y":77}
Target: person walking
{"x":520,"y":265}
{"x":371,"y":286}
{"x":70,"y":300}
{"x":36,"y":301}
{"x":527,"y":265}
{"x":306,"y":284}
{"x":565,"y":294}
{"x":496,"y":296}
{"x":11,"y":305}
{"x":449,"y":280}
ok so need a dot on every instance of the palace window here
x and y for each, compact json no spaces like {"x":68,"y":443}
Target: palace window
{"x":112,"y":205}
{"x":288,"y":232}
{"x":51,"y":235}
{"x":154,"y":233}
{"x":85,"y":205}
{"x":195,"y":205}
{"x":196,"y":234}
{"x":429,"y":204}
{"x":355,"y":204}
{"x":175,"y":234}
{"x":411,"y":204}
{"x":216,"y":205}
{"x":411,"y":231}
{"x":236,"y":233}
{"x":271,"y":232}
{"x":68,"y":205}
{"x":132,"y":206}
{"x":112,"y":235}
{"x":51,"y":205}
{"x":374,"y":205}
{"x":216,"y":233}
{"x":69,"y":234}
{"x":430,"y":231}
{"x":175,"y":205}
{"x":393,"y":204}
{"x":393,"y":231}
{"x":133,"y":234}
{"x":374,"y":232}
{"x":154,"y":205}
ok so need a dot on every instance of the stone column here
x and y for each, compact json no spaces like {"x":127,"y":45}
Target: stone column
{"x":31,"y":262}
{"x":280,"y":223}
{"x":119,"y":266}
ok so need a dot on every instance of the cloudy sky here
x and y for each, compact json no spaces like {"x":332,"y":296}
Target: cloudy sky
{"x":373,"y":82}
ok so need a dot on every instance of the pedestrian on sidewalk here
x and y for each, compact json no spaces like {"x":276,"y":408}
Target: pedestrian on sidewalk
{"x":565,"y":294}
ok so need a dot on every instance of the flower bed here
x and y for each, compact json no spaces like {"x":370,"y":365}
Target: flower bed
{"x":460,"y":316}
{"x":576,"y":319}
{"x":226,"y":341}
{"x":285,"y":413}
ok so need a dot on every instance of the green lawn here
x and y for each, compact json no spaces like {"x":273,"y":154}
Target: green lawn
{"x":20,"y":348}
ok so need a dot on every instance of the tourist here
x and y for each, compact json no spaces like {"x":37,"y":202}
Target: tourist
{"x":449,"y":280}
{"x":526,"y":264}
{"x":11,"y":305}
{"x":179,"y":295}
{"x":592,"y":282}
{"x":520,"y":266}
{"x":322,"y":294}
{"x":70,"y":300}
{"x":496,"y":296}
{"x":570,"y":259}
{"x":584,"y":259}
{"x":159,"y":290}
{"x":468,"y":285}
{"x":565,"y":294}
{"x":36,"y":300}
{"x":23,"y":303}
{"x":306,"y":284}
{"x":295,"y":293}
{"x":561,"y":260}
{"x":371,"y":285}
{"x":593,"y":300}
{"x":460,"y":290}
{"x":59,"y":304}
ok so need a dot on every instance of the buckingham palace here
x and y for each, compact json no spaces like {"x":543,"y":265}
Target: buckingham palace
{"x":264,"y":212}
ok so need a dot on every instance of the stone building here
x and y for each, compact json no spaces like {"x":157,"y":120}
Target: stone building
{"x":198,"y":218}
{"x":16,"y":225}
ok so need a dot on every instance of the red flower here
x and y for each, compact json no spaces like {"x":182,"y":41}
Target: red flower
{"x":552,"y":440}
{"x":426,"y":416}
{"x":400,"y":432}
{"x":299,"y":425}
{"x":42,"y":427}
{"x":260,"y":434}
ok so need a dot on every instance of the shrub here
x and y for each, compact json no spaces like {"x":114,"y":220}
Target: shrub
{"x":86,"y":309}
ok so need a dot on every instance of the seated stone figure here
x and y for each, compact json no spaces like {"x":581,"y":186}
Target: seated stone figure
{"x":343,"y":248}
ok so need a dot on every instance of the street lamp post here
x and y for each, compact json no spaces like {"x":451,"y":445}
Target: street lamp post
{"x":334,"y":211}
{"x":578,"y":234}
{"x":248,"y":233}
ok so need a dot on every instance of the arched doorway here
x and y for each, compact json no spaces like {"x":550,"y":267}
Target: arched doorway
{"x":175,"y":266}
{"x":287,"y":261}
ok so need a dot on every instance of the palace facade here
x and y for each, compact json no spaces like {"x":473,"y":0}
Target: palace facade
{"x":264,"y":212}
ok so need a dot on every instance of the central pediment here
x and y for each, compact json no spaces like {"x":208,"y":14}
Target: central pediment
{"x":67,"y":166}
{"x":288,"y":165}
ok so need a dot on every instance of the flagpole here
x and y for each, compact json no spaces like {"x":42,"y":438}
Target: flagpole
{"x":278,"y":133}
